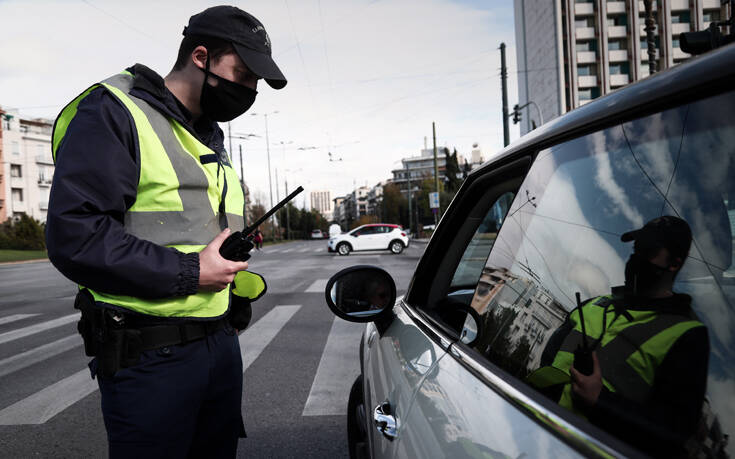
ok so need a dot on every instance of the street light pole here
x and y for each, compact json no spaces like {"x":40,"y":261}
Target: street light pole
{"x":270,"y":182}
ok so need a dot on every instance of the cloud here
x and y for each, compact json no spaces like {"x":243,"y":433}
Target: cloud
{"x":366,"y":78}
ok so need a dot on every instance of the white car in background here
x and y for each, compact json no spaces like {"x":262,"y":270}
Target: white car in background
{"x":317,"y":234}
{"x":375,"y":236}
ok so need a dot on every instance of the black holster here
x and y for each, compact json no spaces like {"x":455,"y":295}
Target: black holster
{"x":105,"y":336}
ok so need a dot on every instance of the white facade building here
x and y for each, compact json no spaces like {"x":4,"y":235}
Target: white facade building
{"x":572,"y":51}
{"x":321,"y":201}
{"x":27,"y":165}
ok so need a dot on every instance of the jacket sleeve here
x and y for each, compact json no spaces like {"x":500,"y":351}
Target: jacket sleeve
{"x":94,"y":184}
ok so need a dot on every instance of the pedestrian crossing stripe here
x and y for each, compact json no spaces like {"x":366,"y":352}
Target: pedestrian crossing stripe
{"x":15,"y":318}
{"x":36,"y":328}
{"x":318,"y":286}
{"x":43,"y":405}
{"x":338,"y":368}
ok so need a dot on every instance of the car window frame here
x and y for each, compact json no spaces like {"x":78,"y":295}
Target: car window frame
{"x":585,"y":437}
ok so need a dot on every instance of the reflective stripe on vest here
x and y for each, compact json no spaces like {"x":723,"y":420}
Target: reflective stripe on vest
{"x":178,"y":197}
{"x":629,"y":353}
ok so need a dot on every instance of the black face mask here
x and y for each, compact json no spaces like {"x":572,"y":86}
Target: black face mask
{"x":227,"y":100}
{"x":641,"y":274}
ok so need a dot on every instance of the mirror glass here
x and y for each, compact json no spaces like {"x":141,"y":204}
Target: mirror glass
{"x":469,"y":330}
{"x":362,"y":293}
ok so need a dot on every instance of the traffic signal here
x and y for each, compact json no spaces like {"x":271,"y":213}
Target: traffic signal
{"x":516,"y":114}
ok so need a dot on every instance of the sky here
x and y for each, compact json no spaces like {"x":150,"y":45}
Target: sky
{"x":366,"y":78}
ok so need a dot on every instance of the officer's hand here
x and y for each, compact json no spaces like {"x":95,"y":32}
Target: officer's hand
{"x":215,"y":272}
{"x":587,"y":388}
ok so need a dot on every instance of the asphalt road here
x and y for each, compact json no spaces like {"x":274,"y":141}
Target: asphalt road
{"x":300,"y":360}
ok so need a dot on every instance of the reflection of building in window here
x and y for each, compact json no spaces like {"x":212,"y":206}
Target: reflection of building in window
{"x":518,"y":318}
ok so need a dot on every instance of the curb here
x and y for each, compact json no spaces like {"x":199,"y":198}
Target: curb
{"x":23,"y":262}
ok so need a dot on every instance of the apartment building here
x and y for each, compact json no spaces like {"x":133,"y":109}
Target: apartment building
{"x":27,"y":166}
{"x":570,"y":52}
{"x":321,"y":201}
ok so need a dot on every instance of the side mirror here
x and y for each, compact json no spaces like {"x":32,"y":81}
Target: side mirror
{"x":470,"y":330}
{"x":361,"y":293}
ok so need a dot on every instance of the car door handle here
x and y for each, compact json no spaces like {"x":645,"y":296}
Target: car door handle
{"x":385,"y":422}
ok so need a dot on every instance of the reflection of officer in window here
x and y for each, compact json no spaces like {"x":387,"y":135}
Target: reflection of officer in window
{"x":358,"y":293}
{"x":648,"y":369}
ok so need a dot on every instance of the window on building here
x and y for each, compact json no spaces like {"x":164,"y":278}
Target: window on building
{"x":587,"y":46}
{"x":709,"y":16}
{"x":16,"y":170}
{"x":675,"y":42}
{"x":619,"y":69}
{"x":683,"y":17}
{"x":614,"y":45}
{"x":17,"y":194}
{"x":589,"y":93}
{"x":618,"y":20}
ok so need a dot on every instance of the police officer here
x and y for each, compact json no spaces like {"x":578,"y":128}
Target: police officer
{"x":143,"y":196}
{"x":635,"y":362}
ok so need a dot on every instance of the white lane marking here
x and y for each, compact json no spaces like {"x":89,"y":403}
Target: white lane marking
{"x":37,"y":328}
{"x":318,"y":286}
{"x":338,"y":368}
{"x":287,"y":250}
{"x":39,"y":354}
{"x":304,"y":250}
{"x":258,"y":336}
{"x":48,"y":402}
{"x":319,"y":250}
{"x":15,"y":317}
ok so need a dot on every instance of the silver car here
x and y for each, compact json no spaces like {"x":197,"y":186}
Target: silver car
{"x":456,"y":367}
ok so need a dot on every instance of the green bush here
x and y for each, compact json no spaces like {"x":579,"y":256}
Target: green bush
{"x":25,"y":234}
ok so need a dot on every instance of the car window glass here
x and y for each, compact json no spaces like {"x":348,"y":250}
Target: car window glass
{"x":475,"y":254}
{"x":668,"y":382}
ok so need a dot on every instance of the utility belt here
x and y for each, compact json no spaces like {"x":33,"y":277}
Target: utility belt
{"x":117,"y":339}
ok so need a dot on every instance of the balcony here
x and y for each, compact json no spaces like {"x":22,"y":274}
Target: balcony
{"x":43,"y":205}
{"x":619,"y":80}
{"x":587,"y":81}
{"x":617,"y":31}
{"x":584,"y":33}
{"x":711,"y":4}
{"x":678,"y":54}
{"x":44,"y":159}
{"x":676,"y":29}
{"x":643,"y":29}
{"x":644,"y":55}
{"x":678,"y":5}
{"x":618,"y":55}
{"x":586,"y":57}
{"x":584,"y":9}
{"x":615,"y":7}
{"x":43,"y":181}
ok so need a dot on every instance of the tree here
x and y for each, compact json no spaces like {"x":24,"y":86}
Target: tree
{"x":394,"y":205}
{"x":452,"y":171}
{"x":24,"y":234}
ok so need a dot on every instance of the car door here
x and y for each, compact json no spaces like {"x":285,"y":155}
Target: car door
{"x":396,"y":358}
{"x":370,"y":238}
{"x":561,"y":236}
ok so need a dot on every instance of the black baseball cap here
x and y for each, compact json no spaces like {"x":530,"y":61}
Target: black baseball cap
{"x":246,"y":34}
{"x":667,"y":231}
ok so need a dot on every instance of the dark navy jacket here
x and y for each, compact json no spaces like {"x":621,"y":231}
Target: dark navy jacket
{"x":96,"y":181}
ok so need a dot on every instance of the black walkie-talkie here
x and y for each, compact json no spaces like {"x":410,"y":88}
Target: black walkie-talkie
{"x":583,"y":354}
{"x":238,"y":245}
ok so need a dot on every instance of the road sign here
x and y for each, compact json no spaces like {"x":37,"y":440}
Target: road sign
{"x":434,"y":200}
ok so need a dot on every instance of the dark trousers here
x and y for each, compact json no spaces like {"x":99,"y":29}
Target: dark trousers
{"x":181,"y":401}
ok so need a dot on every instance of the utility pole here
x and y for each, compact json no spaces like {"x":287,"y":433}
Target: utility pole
{"x":504,"y":85}
{"x":288,"y":224}
{"x":436,"y":172}
{"x":278,"y":199}
{"x":244,"y":192}
{"x":408,"y":174}
{"x":650,"y":39}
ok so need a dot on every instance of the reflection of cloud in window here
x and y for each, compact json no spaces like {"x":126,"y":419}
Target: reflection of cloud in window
{"x":605,"y":180}
{"x":583,"y":260}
